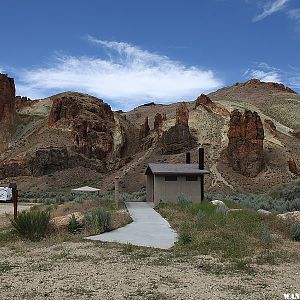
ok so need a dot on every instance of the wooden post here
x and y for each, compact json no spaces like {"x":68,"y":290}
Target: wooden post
{"x":13,"y":186}
{"x":117,"y":195}
{"x":202,"y":187}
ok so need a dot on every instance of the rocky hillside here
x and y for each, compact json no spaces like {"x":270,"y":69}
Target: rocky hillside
{"x":250,"y":132}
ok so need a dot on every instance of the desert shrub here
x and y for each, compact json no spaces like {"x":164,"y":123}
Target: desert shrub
{"x":74,"y":225}
{"x":265,"y":235}
{"x":133,"y":196}
{"x":98,"y":221}
{"x":279,"y":199}
{"x":32,"y":224}
{"x":184,"y":238}
{"x":183,"y":200}
{"x":201,"y":216}
{"x":295,"y":232}
{"x":221,"y":210}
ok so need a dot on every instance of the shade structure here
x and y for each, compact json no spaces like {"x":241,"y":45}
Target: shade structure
{"x":85,"y":189}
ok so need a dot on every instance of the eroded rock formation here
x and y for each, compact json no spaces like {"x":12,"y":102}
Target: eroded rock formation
{"x":7,"y":100}
{"x":158,"y":122}
{"x":182,"y":114}
{"x":7,"y":110}
{"x":203,"y":100}
{"x":178,"y":138}
{"x":271,"y":127}
{"x":245,"y":146}
{"x":293,"y":166}
{"x":210,"y":106}
{"x":144,"y":129}
{"x":272,"y":86}
{"x":91,"y":122}
{"x":46,"y":161}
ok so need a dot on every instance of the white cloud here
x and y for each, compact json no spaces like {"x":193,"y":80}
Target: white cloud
{"x":270,"y":8}
{"x":294,"y":14}
{"x":265,"y":73}
{"x":129,"y":76}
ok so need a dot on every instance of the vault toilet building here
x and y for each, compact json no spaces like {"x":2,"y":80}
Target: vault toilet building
{"x":165,"y":182}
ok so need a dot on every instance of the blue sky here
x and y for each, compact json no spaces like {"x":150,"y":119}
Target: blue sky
{"x":135,"y":51}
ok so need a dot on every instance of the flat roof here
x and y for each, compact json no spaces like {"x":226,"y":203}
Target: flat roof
{"x":170,"y":169}
{"x":86,"y":189}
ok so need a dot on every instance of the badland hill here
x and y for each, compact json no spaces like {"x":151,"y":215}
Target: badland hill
{"x":250,"y":132}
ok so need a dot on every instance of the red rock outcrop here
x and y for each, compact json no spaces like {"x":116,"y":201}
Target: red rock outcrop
{"x":90,"y":120}
{"x":293,"y":166}
{"x":272,"y":86}
{"x":182,"y":114}
{"x":271,"y":127}
{"x":45,"y":161}
{"x":245,"y":146}
{"x":144,"y":129}
{"x":7,"y":110}
{"x":158,"y":122}
{"x":210,"y":106}
{"x":22,"y":102}
{"x":203,"y":100}
{"x":178,"y":138}
{"x":7,"y":100}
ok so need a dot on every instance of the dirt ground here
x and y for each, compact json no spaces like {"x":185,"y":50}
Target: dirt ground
{"x":93,"y":270}
{"x":7,"y":211}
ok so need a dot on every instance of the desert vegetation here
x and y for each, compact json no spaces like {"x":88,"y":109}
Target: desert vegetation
{"x":233,"y":233}
{"x":278,"y":199}
{"x":65,"y":216}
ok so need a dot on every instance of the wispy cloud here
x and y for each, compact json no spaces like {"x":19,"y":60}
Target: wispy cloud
{"x":267,"y":73}
{"x":294,"y":15}
{"x":270,"y":8}
{"x":264,"y":72}
{"x":128,"y":76}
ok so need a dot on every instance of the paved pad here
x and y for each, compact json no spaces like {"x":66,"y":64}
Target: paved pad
{"x":148,"y":229}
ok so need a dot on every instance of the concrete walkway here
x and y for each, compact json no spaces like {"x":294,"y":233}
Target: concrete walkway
{"x":148,"y":229}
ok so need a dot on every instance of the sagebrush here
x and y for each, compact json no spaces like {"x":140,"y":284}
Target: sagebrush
{"x":32,"y":225}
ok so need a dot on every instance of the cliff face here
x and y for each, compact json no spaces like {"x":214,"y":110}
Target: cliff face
{"x":245,"y":147}
{"x":210,"y":106}
{"x":182,"y":115}
{"x":7,"y":100}
{"x":90,"y":121}
{"x":7,"y":110}
{"x":178,"y":138}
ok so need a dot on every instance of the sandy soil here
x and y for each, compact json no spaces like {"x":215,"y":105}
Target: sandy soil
{"x":7,"y":210}
{"x":88,"y":270}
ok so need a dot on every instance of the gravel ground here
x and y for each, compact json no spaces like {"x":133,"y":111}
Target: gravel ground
{"x":93,"y":270}
{"x":7,"y":211}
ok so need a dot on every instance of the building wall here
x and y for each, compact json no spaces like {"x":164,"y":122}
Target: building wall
{"x":150,"y":181}
{"x":168,"y":191}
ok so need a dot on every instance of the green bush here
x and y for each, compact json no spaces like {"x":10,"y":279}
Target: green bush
{"x":32,"y":224}
{"x":265,"y":235}
{"x":201,"y":216}
{"x":184,"y":238}
{"x":98,"y":221}
{"x":221,"y":210}
{"x":295,"y":232}
{"x":183,"y":200}
{"x":74,"y":226}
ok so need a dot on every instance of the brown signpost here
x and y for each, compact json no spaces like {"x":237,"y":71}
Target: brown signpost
{"x":13,"y":186}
